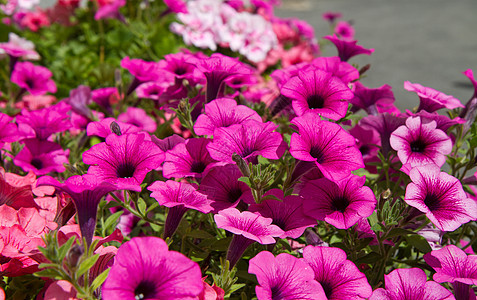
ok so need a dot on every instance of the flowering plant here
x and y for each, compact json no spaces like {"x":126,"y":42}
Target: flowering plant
{"x":161,"y":173}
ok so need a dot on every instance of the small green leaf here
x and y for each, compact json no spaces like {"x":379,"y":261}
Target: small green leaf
{"x":399,"y":232}
{"x":50,"y":273}
{"x":245,"y":179}
{"x":419,"y":242}
{"x":98,"y":281}
{"x":155,"y":227}
{"x":199,"y":234}
{"x":141,"y":205}
{"x":110,"y":222}
{"x":369,"y":258}
{"x":64,"y":248}
{"x":86,"y":265}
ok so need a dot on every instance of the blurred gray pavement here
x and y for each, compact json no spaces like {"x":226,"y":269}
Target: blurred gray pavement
{"x":424,"y":41}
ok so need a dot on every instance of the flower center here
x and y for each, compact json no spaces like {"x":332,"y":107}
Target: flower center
{"x":316,"y":152}
{"x":234,"y":194}
{"x":30,"y":83}
{"x":276,"y":293}
{"x":364,"y":150}
{"x":327,"y":288}
{"x":418,"y":146}
{"x":125,"y":170}
{"x":145,"y":290}
{"x":37,"y":163}
{"x":197,"y":167}
{"x":180,"y":71}
{"x":315,"y":101}
{"x":432,"y":202}
{"x":340,"y":204}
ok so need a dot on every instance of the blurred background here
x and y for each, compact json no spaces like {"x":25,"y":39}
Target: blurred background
{"x":430,"y":42}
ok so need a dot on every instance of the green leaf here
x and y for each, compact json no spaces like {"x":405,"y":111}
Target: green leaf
{"x":235,"y":287}
{"x":141,"y":205}
{"x":98,"y":281}
{"x":200,"y":234}
{"x":399,"y":232}
{"x":110,"y":222}
{"x":64,"y":248}
{"x":86,"y":265}
{"x":50,"y":273}
{"x":369,"y":258}
{"x":246,"y":180}
{"x":419,"y":242}
{"x":155,"y":227}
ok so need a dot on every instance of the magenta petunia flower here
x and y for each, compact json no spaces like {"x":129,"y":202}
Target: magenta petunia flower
{"x":347,"y":49}
{"x":455,"y":266}
{"x":111,"y":11}
{"x":183,"y":66}
{"x":179,"y":197}
{"x":318,"y":91}
{"x":138,"y":117}
{"x":345,"y":31}
{"x":331,"y":16}
{"x":441,"y":197}
{"x":339,"y":277}
{"x":176,"y":6}
{"x":8,"y":130}
{"x":151,"y":90}
{"x":442,"y":122}
{"x":247,"y":228}
{"x":79,"y":100}
{"x":123,"y":160}
{"x":86,"y":192}
{"x":221,"y":185}
{"x":371,"y":100}
{"x":143,"y":71}
{"x":327,"y":144}
{"x":34,"y":79}
{"x":367,"y":141}
{"x":217,"y":69}
{"x":103,"y":128}
{"x":430,"y":99}
{"x":340,"y":203}
{"x":287,"y":213}
{"x":168,"y":143}
{"x":17,"y":47}
{"x":247,"y":140}
{"x":284,"y":277}
{"x":223,"y":112}
{"x":41,"y":124}
{"x":419,"y":143}
{"x":341,"y":69}
{"x":104,"y":97}
{"x":144,"y":268}
{"x":41,"y":157}
{"x":410,"y":284}
{"x":384,"y":124}
{"x":188,"y":159}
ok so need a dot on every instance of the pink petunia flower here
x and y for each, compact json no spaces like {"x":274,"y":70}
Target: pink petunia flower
{"x":331,"y":16}
{"x":248,"y":141}
{"x":284,"y":277}
{"x":41,"y":124}
{"x":143,"y":71}
{"x":221,"y":185}
{"x":372,"y":100}
{"x":34,"y":79}
{"x":123,"y":160}
{"x":332,"y":149}
{"x":247,"y":228}
{"x":41,"y":157}
{"x":430,"y":99}
{"x":418,"y":144}
{"x":410,"y":284}
{"x":151,"y":90}
{"x":188,"y":159}
{"x":341,"y":69}
{"x":347,"y":49}
{"x":344,"y":30}
{"x":34,"y":20}
{"x":86,"y":192}
{"x":441,"y":197}
{"x":340,"y":203}
{"x":111,"y":11}
{"x":287,"y":212}
{"x":339,"y":277}
{"x":454,"y":266}
{"x":103,"y":128}
{"x":442,"y":122}
{"x":223,"y":112}
{"x":139,"y":118}
{"x":19,"y":47}
{"x":104,"y":97}
{"x":318,"y":91}
{"x":8,"y":130}
{"x":179,"y":197}
{"x":144,"y":268}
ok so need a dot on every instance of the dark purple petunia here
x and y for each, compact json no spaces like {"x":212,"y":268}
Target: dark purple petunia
{"x":347,"y":49}
{"x":441,"y":197}
{"x":42,"y":123}
{"x":339,"y":277}
{"x":247,"y":228}
{"x":179,"y":197}
{"x":248,"y":141}
{"x":332,"y":149}
{"x":34,"y":79}
{"x":430,"y":99}
{"x":314,"y":90}
{"x":419,"y":143}
{"x":284,"y":277}
{"x":372,"y":100}
{"x":410,"y":284}
{"x":287,"y":212}
{"x":454,"y":266}
{"x":123,"y":160}
{"x":144,"y":268}
{"x":86,"y":192}
{"x":221,"y":185}
{"x":41,"y":157}
{"x":223,"y":112}
{"x":217,"y":69}
{"x":340,"y":203}
{"x":188,"y":159}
